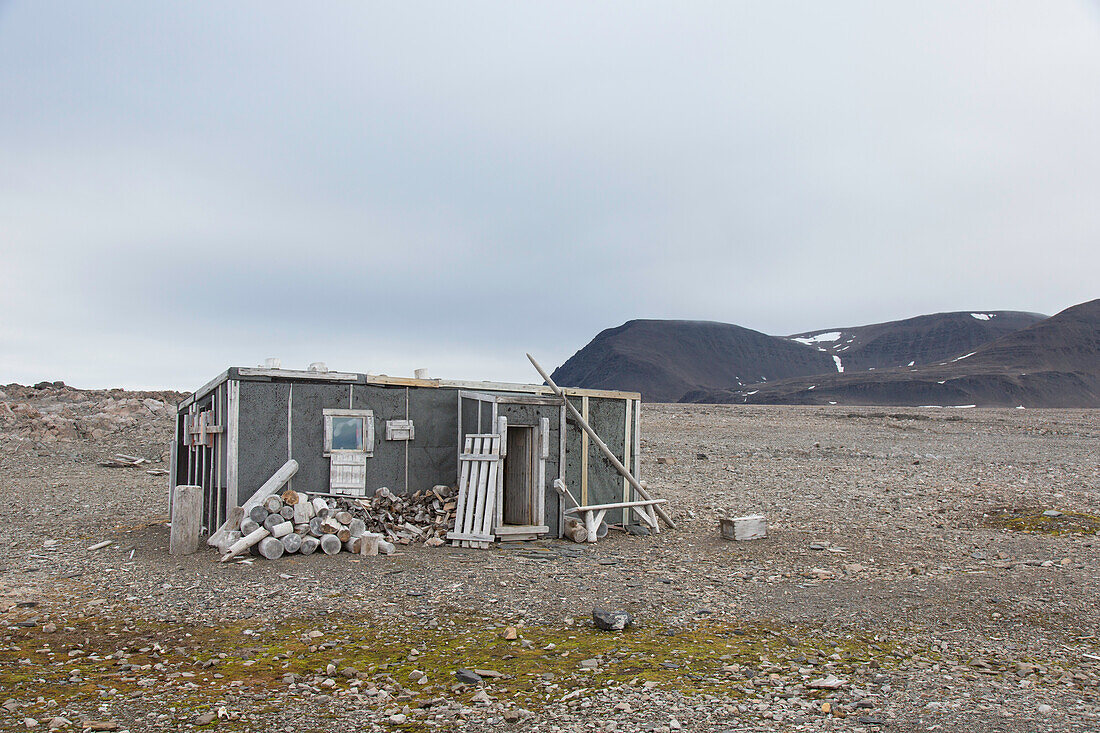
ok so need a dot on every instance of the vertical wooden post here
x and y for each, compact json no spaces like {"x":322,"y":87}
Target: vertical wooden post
{"x":186,"y":519}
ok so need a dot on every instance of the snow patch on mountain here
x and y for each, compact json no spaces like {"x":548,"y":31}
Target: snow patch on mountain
{"x":818,"y":338}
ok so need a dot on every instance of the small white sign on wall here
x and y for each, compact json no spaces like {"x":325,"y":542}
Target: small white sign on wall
{"x":400,"y":430}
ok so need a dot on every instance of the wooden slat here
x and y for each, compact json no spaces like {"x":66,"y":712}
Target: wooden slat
{"x":487,"y":515}
{"x":477,"y":492}
{"x":463,"y":483}
{"x":470,"y":537}
{"x":482,"y":489}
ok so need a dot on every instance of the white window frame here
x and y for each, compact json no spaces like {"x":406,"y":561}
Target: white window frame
{"x":368,"y":430}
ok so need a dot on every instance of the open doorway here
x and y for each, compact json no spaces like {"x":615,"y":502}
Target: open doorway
{"x":520,"y":500}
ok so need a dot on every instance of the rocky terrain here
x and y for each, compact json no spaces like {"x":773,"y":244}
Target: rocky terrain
{"x":926,"y":569}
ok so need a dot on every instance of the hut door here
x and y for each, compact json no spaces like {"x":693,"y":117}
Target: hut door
{"x":519,"y":476}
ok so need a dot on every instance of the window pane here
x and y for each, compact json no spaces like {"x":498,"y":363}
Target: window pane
{"x":347,"y":433}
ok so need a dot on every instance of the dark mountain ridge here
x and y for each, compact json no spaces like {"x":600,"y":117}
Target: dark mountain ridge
{"x":666,"y":359}
{"x":916,"y":341}
{"x":979,"y":357}
{"x":1052,"y":363}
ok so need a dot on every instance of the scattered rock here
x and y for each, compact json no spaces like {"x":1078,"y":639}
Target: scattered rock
{"x":611,"y":620}
{"x":828,"y":682}
{"x":468,"y":676}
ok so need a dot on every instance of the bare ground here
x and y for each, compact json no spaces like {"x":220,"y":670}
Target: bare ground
{"x":909,"y":564}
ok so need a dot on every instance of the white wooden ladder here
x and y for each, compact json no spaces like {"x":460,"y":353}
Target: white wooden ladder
{"x":479,"y":463}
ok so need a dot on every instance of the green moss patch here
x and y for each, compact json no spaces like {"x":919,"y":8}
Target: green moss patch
{"x":1036,"y":519}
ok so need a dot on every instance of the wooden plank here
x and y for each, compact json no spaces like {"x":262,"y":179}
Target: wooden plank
{"x":488,"y":515}
{"x":464,"y":469}
{"x":233,"y":423}
{"x":476,"y":472}
{"x":387,"y":381}
{"x":626,"y":456}
{"x":584,"y":453}
{"x":204,"y":390}
{"x":487,"y":472}
{"x":537,"y":389}
{"x":615,"y":505}
{"x":298,"y":374}
{"x":470,"y":537}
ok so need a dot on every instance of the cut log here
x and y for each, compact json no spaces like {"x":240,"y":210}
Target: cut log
{"x":186,"y":520}
{"x":272,"y":521}
{"x":354,"y":545}
{"x":272,"y":485}
{"x":320,"y":508}
{"x":292,"y":542}
{"x":358,"y":527}
{"x":343,"y":534}
{"x":344,"y":517}
{"x":248,"y":526}
{"x":274,"y":503}
{"x":330,"y":526}
{"x":287,"y":512}
{"x":386,"y":548}
{"x":271,"y":548}
{"x":579,"y":419}
{"x":232,"y":524}
{"x":227,"y":541}
{"x":303,"y":512}
{"x":258,"y":514}
{"x":282,"y":529}
{"x":244,"y":543}
{"x":369,"y":543}
{"x":309,"y":545}
{"x":302,"y":529}
{"x":291,"y":497}
{"x":316,"y":527}
{"x":330,"y":545}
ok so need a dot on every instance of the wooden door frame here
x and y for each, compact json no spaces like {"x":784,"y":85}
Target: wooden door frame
{"x":506,"y":532}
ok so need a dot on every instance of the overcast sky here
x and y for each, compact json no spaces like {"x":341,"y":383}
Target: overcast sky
{"x":385,"y":186}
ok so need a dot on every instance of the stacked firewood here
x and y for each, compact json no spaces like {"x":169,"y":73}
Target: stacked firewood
{"x":294,"y":522}
{"x":425,"y":516}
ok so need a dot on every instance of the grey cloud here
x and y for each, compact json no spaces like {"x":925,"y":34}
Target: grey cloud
{"x":184,"y":186}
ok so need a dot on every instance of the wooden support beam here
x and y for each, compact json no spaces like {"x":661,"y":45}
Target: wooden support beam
{"x":642,"y":492}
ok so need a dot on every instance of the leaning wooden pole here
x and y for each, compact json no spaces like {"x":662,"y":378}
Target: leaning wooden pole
{"x":601,"y":445}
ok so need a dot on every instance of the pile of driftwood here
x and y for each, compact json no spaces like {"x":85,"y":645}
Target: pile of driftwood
{"x":272,"y":524}
{"x":425,"y":516}
{"x":294,"y":522}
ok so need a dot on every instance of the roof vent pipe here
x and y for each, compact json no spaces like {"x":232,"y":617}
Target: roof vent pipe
{"x":421,"y":374}
{"x":318,"y":366}
{"x":272,"y":362}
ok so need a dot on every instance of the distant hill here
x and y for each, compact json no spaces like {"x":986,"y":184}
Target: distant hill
{"x":1052,"y":363}
{"x":664,"y":360}
{"x":915,"y":341}
{"x":670,"y":361}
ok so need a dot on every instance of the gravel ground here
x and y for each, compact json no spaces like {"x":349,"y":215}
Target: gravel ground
{"x":910,"y":582}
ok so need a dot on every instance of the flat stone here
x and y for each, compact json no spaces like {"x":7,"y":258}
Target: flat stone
{"x":467,"y":676}
{"x":611,"y":620}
